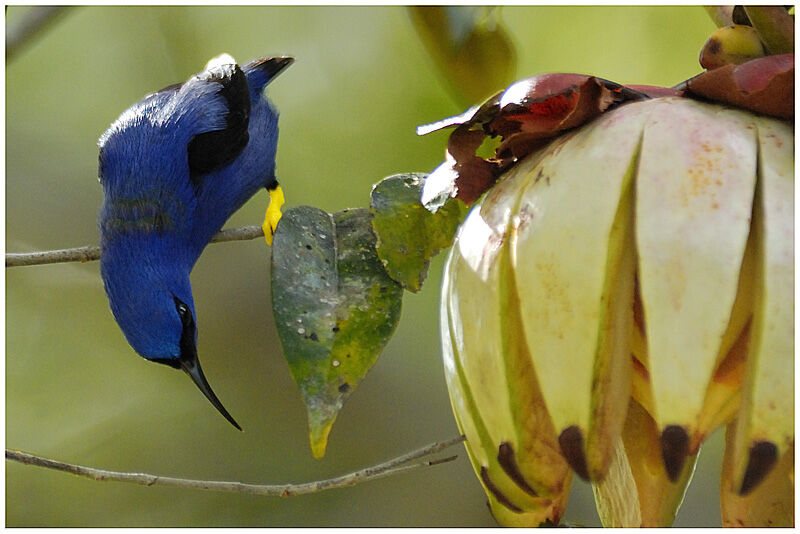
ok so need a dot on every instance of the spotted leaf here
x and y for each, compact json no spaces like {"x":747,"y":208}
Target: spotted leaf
{"x":334,"y":306}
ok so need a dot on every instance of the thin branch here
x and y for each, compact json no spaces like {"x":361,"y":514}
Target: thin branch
{"x":33,"y":22}
{"x":81,"y":254}
{"x":92,"y":252}
{"x":243,"y":233}
{"x":392,"y":467}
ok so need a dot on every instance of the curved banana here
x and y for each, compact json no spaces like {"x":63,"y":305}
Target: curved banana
{"x":734,"y":44}
{"x":702,"y":190}
{"x":574,"y":272}
{"x":765,"y":425}
{"x":493,"y":388}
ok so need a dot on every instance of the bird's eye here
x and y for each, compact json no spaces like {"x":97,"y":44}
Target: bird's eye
{"x":183,"y":311}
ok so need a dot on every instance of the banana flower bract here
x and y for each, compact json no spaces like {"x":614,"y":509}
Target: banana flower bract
{"x":616,"y":297}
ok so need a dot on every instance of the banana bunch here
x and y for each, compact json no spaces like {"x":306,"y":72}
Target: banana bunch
{"x":616,"y":297}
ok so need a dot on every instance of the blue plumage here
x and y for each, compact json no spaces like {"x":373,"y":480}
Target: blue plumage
{"x":174,"y":167}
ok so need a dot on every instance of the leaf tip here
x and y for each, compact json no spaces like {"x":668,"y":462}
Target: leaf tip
{"x":318,"y":437}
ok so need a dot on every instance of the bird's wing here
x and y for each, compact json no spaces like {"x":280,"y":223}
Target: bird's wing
{"x":211,"y":112}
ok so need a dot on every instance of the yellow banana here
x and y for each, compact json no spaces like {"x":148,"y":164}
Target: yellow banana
{"x":494,"y":391}
{"x":574,"y":270}
{"x":732,"y":44}
{"x":692,"y":221}
{"x":765,"y":424}
{"x":723,"y":395}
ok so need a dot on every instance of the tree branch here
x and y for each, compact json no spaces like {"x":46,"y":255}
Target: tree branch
{"x":391,"y":467}
{"x":92,"y":252}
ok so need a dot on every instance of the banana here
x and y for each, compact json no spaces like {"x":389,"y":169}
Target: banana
{"x":493,"y":389}
{"x":765,"y":424}
{"x":573,"y":263}
{"x":637,"y":491}
{"x":694,"y":187}
{"x":771,"y":504}
{"x":723,"y":395}
{"x":734,"y":44}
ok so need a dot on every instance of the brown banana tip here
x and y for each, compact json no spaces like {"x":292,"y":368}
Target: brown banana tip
{"x":507,"y":461}
{"x":571,"y":442}
{"x":763,"y":457}
{"x":674,"y":449}
{"x":495,"y":491}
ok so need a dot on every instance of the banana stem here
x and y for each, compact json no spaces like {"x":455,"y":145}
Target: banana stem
{"x":775,"y":27}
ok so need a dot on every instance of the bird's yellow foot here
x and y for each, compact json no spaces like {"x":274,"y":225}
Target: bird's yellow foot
{"x":273,"y":214}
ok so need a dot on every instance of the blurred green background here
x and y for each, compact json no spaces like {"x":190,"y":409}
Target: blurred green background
{"x":363,"y":80}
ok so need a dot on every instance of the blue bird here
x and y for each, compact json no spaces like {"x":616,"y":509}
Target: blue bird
{"x":174,"y":167}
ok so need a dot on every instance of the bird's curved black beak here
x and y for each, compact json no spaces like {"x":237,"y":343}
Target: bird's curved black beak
{"x":191,"y":365}
{"x":188,"y":360}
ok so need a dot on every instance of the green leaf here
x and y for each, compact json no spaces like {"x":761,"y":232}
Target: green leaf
{"x":334,"y":306}
{"x":408,"y":234}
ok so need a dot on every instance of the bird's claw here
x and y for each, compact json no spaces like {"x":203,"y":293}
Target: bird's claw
{"x":273,"y":214}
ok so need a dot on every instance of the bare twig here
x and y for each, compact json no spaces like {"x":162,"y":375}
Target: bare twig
{"x":92,"y":252}
{"x":34,"y":21}
{"x":392,"y":467}
{"x":81,"y":254}
{"x":242,"y":233}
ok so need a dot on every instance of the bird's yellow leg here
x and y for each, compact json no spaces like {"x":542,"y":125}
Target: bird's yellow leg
{"x":273,"y":214}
